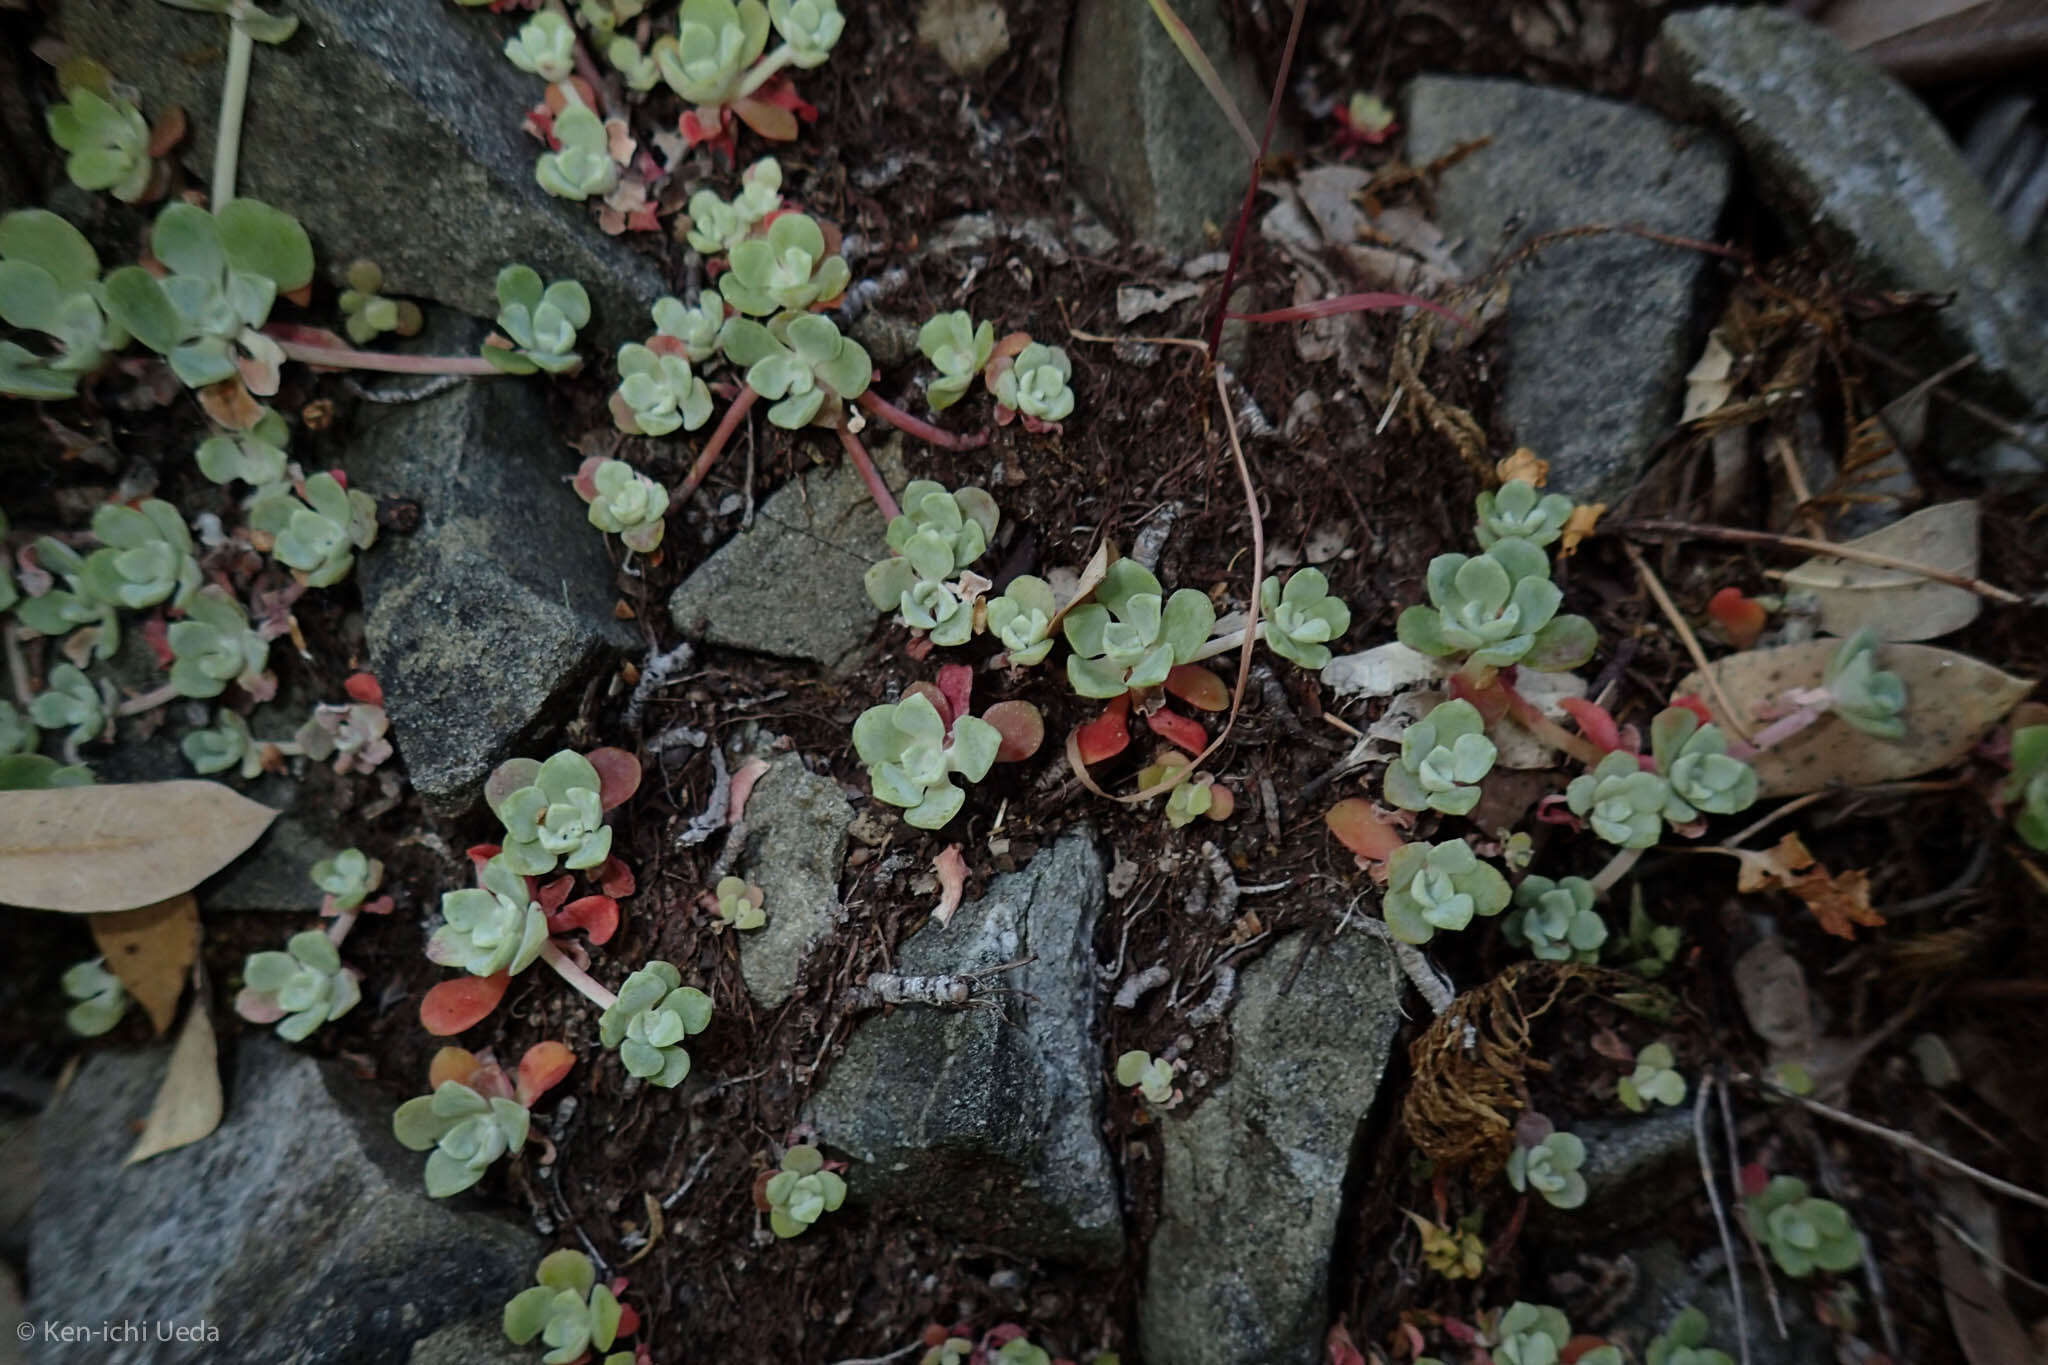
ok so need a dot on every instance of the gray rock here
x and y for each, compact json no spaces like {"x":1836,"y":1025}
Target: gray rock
{"x":986,"y":1122}
{"x":476,"y":1341}
{"x":791,"y":585}
{"x":18,"y":1195}
{"x":1855,"y":160}
{"x":1635,"y":1168}
{"x":796,"y":840}
{"x":1600,"y":331}
{"x":1667,"y":1283}
{"x":300,"y":1229}
{"x":391,"y":130}
{"x":1150,"y":147}
{"x":1253,"y":1183}
{"x":485,"y":624}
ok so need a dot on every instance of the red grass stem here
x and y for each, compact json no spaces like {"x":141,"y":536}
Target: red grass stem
{"x":896,"y":417}
{"x":871,"y":476}
{"x":727,"y":425}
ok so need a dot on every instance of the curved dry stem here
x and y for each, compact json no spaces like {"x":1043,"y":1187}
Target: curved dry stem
{"x":234,"y":97}
{"x":384,"y":362}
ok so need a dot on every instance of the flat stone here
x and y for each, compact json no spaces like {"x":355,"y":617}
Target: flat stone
{"x":1854,"y":160}
{"x":486,"y":622}
{"x":967,"y":34}
{"x":300,"y":1229}
{"x":390,"y":129}
{"x":1239,"y":1266}
{"x":796,"y":840}
{"x":791,"y":585}
{"x":1149,"y":146}
{"x":475,"y":1341}
{"x":982,"y":1122}
{"x":1600,"y":331}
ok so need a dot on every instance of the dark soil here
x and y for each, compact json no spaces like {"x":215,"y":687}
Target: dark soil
{"x":902,"y":146}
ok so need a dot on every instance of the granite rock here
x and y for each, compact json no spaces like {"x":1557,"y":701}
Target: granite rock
{"x":796,"y":840}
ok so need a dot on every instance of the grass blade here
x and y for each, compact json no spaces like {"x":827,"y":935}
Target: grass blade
{"x":1205,"y":71}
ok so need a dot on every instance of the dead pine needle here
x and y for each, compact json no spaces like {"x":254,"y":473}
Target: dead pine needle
{"x":1699,"y":1137}
{"x":1736,"y":535}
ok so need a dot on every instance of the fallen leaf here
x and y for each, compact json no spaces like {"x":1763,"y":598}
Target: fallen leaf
{"x":1523,"y":464}
{"x":1091,"y":577}
{"x":188,"y":1100}
{"x":952,"y":871}
{"x":1771,"y":868}
{"x":1985,"y":1326}
{"x":1952,"y":700}
{"x":1381,"y":671}
{"x":1579,"y":525}
{"x":1707,"y":384}
{"x":1134,"y":301}
{"x":1839,"y":902}
{"x":1772,"y":987}
{"x":94,"y":849}
{"x":151,"y":950}
{"x":1896,"y":603}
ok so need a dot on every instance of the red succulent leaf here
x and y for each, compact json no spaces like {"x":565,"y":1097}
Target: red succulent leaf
{"x":365,"y":688}
{"x":1741,"y":618}
{"x":1755,"y":1180}
{"x":1360,"y":827}
{"x":1109,"y":734}
{"x":618,"y":775}
{"x":1222,"y":802}
{"x":1343,"y":1351}
{"x":551,"y":896}
{"x":456,"y":1064}
{"x":1692,"y":702}
{"x":615,"y":879}
{"x":1022,"y":727}
{"x":1175,"y":728}
{"x":597,"y":916}
{"x":258,"y":1007}
{"x":542,"y":1069}
{"x":761,"y":1190}
{"x":1198,"y":687}
{"x":1552,"y":810}
{"x":1001,"y":1335}
{"x":1596,"y":722}
{"x":769,"y":120}
{"x":781,"y":92}
{"x":956,"y":684}
{"x":585,"y":482}
{"x":629,"y":1320}
{"x":479,"y":854}
{"x":463,"y":1003}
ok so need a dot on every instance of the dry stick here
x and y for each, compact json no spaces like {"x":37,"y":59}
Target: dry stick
{"x":2017,"y":435}
{"x":1737,"y":536}
{"x":1795,"y":479}
{"x":1756,"y":1251}
{"x":384,"y":362}
{"x":1691,"y":641}
{"x":727,"y":425}
{"x":916,"y":426}
{"x":1907,"y":1141}
{"x":1699,"y":1139}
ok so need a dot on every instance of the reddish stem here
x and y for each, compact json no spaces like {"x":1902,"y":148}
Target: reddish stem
{"x":337,"y":932}
{"x":1544,"y":728}
{"x":871,"y":476}
{"x":347,"y":358}
{"x":147,"y":701}
{"x":917,"y":426}
{"x":583,"y":981}
{"x":727,"y":425}
{"x":1782,"y":729}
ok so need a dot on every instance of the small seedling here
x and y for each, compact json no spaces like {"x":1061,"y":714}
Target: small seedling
{"x":1444,"y":756}
{"x":1551,"y":1168}
{"x":1556,"y":921}
{"x":640,"y":72}
{"x":317,"y":532}
{"x":1496,"y":609}
{"x":657,"y":393}
{"x":298,"y":989}
{"x":50,"y":285}
{"x":1132,"y":634}
{"x":801,"y":1192}
{"x":1032,"y":383}
{"x":348,"y":879}
{"x":1853,"y":687}
{"x":1684,"y":1342}
{"x":789,"y":269}
{"x":108,"y":141}
{"x":99,"y":998}
{"x":255,"y":456}
{"x":1301,"y":619}
{"x":567,"y":1309}
{"x":716,"y":226}
{"x":655,"y":1011}
{"x":1802,"y":1233}
{"x":61,"y":610}
{"x":464,"y":1131}
{"x":367,"y":314}
{"x":545,"y":45}
{"x":1456,"y":1253}
{"x":1152,"y":1077}
{"x":223,"y":745}
{"x":1653,"y":1080}
{"x":538,"y":322}
{"x":33,"y":772}
{"x":1518,"y":512}
{"x":959,"y":350}
{"x":2026,"y":789}
{"x":1198,"y":795}
{"x":804,"y":368}
{"x":352,"y":735}
{"x":1022,"y":619}
{"x":1432,"y":887}
{"x":739,"y":905}
{"x":1628,"y":805}
{"x":73,"y":702}
{"x":497,"y":927}
{"x":553,"y":812}
{"x":214,"y":646}
{"x":1533,"y":1334}
{"x":691,"y":329}
{"x":623,"y":501}
{"x":147,"y":557}
{"x":581,"y":166}
{"x":911,"y":758}
{"x":1648,"y":947}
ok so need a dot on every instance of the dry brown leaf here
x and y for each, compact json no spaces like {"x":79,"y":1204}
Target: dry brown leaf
{"x":1839,"y":902}
{"x":1770,"y":868}
{"x":1707,"y":384}
{"x":952,"y":873}
{"x":95,"y":849}
{"x":1952,"y":700}
{"x":1091,"y":578}
{"x":1897,"y":604}
{"x":1523,"y":464}
{"x":1579,"y":525}
{"x":1985,"y":1325}
{"x":188,"y":1101}
{"x":151,"y":950}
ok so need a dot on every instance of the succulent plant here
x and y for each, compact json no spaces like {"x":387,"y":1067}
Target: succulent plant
{"x":1696,"y":760}
{"x":801,"y":1192}
{"x":541,"y":323}
{"x":657,"y":393}
{"x":545,"y":45}
{"x":715,"y":42}
{"x":464,"y":1131}
{"x":348,"y":878}
{"x":78,"y":603}
{"x":567,"y":1309}
{"x":213,"y":646}
{"x":1623,"y":801}
{"x":1648,"y":948}
{"x":367,"y":314}
{"x":318,"y":531}
{"x":352,"y":735}
{"x":636,"y":68}
{"x":959,"y":350}
{"x":808,"y":28}
{"x":1498,"y":608}
{"x":693,"y":327}
{"x":655,"y":1011}
{"x":911,"y":760}
{"x":1433,"y":887}
{"x":1149,"y":1076}
{"x":17,"y":733}
{"x":1869,"y":698}
{"x":226,"y":269}
{"x":300,"y":988}
{"x":1037,"y":384}
{"x":1132,"y":634}
{"x":1654,"y":1079}
{"x":50,"y":284}
{"x":1531,"y":1334}
{"x":1803,"y":1233}
{"x":1199,"y":795}
{"x":147,"y":557}
{"x":1303,"y":618}
{"x":950,"y":1350}
{"x":1455,"y":1252}
{"x":99,"y":998}
{"x":716,"y":227}
{"x":739,"y":905}
{"x":255,"y":456}
{"x":33,"y":772}
{"x":1684,"y":1342}
{"x":2026,"y":789}
{"x":606,"y":15}
{"x":581,"y":166}
{"x":556,"y":813}
{"x":803,"y":367}
{"x":1551,"y":1168}
{"x":1556,"y":920}
{"x":223,"y":745}
{"x":1519,"y":512}
{"x":626,"y":503}
{"x":497,"y":927}
{"x":1444,"y":756}
{"x":1021,"y":1350}
{"x":74,"y":701}
{"x":789,"y":269}
{"x":1022,"y":619}
{"x":108,"y":140}
{"x":937,"y":535}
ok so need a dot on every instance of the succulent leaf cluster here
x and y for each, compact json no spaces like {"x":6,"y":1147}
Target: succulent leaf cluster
{"x":33,"y":772}
{"x":654,"y":1013}
{"x":306,"y":982}
{"x":97,"y":995}
{"x":1302,"y":618}
{"x":1518,"y":512}
{"x":539,"y":320}
{"x":938,"y":534}
{"x":255,"y":456}
{"x":1022,"y":619}
{"x":715,"y":42}
{"x":581,"y":166}
{"x":1444,"y":757}
{"x":214,"y":646}
{"x":1551,"y":1169}
{"x":1684,"y":1342}
{"x":1037,"y":384}
{"x":545,"y":45}
{"x":461,"y":1132}
{"x":352,"y":735}
{"x":1803,"y":1234}
{"x":552,"y":812}
{"x":348,"y":878}
{"x":567,"y":1308}
{"x":1497,"y":608}
{"x":802,"y":1192}
{"x":739,"y":905}
{"x":108,"y":141}
{"x":1868,"y":697}
{"x":146,"y":555}
{"x":1433,"y":887}
{"x":78,"y":603}
{"x":692,"y":327}
{"x":1655,"y":1079}
{"x":72,"y":701}
{"x":658,"y":392}
{"x":318,"y":529}
{"x":497,"y":927}
{"x":1133,"y":634}
{"x":911,"y":760}
{"x":1628,"y":805}
{"x":959,"y":350}
{"x":367,"y":313}
{"x":50,"y":285}
{"x":223,"y":745}
{"x":787,"y":269}
{"x":1535,"y":1334}
{"x":717,"y":226}
{"x":808,"y":28}
{"x":800,"y":361}
{"x":628,"y":504}
{"x":1150,"y":1076}
{"x":1556,"y":920}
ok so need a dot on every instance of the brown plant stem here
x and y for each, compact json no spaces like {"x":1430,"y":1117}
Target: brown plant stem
{"x":727,"y":425}
{"x":1655,"y":587}
{"x":869,"y":475}
{"x":1828,"y":549}
{"x":348,"y":358}
{"x":896,"y":417}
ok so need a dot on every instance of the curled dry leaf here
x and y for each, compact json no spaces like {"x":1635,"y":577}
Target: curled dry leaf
{"x":1840,"y":903}
{"x":93,"y":849}
{"x":1092,"y":573}
{"x":188,"y":1101}
{"x":1523,"y":464}
{"x":952,"y":872}
{"x":151,"y":950}
{"x":1897,"y":603}
{"x":1584,"y":518}
{"x":1985,"y":1325}
{"x":1952,"y":700}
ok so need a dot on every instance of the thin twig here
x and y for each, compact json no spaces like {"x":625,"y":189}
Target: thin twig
{"x":383,"y":362}
{"x":1735,"y":535}
{"x":881,"y":1360}
{"x":1691,"y":641}
{"x":696,"y":1170}
{"x":1699,"y":1138}
{"x":2018,"y":435}
{"x":1756,"y":1252}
